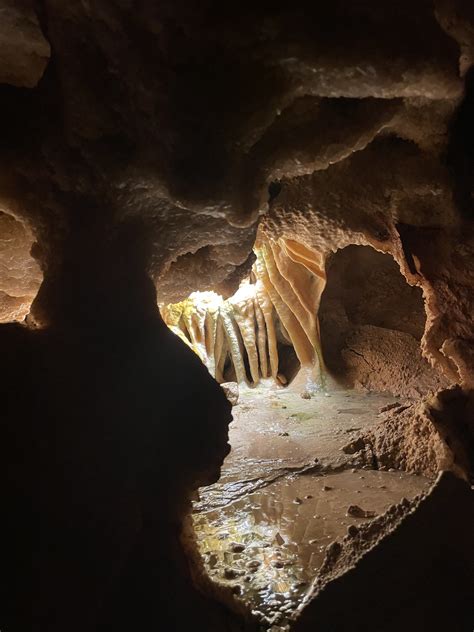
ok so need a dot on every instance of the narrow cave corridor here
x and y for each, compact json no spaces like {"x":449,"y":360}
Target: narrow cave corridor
{"x":301,"y":472}
{"x":236,"y":316}
{"x":265,"y":527}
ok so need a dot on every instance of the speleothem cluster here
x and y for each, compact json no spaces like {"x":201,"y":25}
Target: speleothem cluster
{"x":278,"y":304}
{"x":143,"y":146}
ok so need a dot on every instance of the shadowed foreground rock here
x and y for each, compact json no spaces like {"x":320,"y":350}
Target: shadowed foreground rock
{"x":419,"y":576}
{"x":115,"y":408}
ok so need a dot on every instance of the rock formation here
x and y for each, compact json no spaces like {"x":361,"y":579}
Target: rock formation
{"x":151,"y":150}
{"x":279,"y":304}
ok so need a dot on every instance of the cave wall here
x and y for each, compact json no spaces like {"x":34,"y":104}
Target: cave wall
{"x":150,"y":141}
{"x":372,"y":322}
{"x":384,"y":124}
{"x":20,"y":276}
{"x":97,"y":476}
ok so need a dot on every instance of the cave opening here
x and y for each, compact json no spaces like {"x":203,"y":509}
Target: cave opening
{"x":267,"y":332}
{"x":301,"y":472}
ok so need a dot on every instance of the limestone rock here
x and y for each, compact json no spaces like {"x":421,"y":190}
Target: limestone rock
{"x":20,"y":275}
{"x":357,"y":512}
{"x":231,"y":390}
{"x":163,"y":136}
{"x":423,"y":438}
{"x":391,"y":543}
{"x":24,"y":51}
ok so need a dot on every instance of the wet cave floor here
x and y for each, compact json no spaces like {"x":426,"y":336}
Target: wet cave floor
{"x":285,"y":491}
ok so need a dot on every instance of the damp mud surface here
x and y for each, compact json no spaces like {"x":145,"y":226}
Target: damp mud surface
{"x":287,"y":491}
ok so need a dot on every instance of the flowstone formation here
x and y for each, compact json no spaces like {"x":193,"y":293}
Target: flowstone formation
{"x":241,"y":338}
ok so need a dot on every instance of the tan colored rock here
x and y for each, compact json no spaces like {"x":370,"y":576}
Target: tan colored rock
{"x":20,"y":275}
{"x":423,"y":438}
{"x":231,"y":390}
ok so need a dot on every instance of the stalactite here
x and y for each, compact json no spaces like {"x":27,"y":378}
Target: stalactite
{"x":244,"y":314}
{"x":234,"y":341}
{"x":261,"y":338}
{"x":172,"y":316}
{"x":304,"y":270}
{"x":220,"y":351}
{"x":267,"y":309}
{"x":237,"y":338}
{"x":194,"y":317}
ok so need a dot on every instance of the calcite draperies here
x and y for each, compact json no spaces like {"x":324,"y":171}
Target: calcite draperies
{"x":283,"y":294}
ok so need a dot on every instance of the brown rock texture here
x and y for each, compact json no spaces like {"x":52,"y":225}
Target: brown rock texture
{"x":24,"y":51}
{"x":412,"y":595}
{"x":20,"y":275}
{"x":372,"y":322}
{"x":137,"y":165}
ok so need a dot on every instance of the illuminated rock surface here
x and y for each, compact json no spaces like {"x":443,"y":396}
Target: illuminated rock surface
{"x":20,"y":276}
{"x":279,"y":303}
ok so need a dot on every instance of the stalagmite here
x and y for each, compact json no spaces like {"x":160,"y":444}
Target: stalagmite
{"x":220,"y":351}
{"x":261,"y":338}
{"x":244,"y":314}
{"x":267,"y":310}
{"x":234,"y":341}
{"x":238,"y":338}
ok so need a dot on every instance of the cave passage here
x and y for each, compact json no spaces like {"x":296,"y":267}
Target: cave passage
{"x":299,"y":475}
{"x":236,"y":316}
{"x":268,"y":329}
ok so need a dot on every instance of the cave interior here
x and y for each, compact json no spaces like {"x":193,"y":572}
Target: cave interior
{"x":236,"y":316}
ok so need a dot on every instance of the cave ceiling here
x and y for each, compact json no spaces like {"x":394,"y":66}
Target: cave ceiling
{"x":328,"y":122}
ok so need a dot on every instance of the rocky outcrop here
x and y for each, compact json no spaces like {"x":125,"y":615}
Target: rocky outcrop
{"x":24,"y":51}
{"x":20,"y":275}
{"x":413,"y":593}
{"x":99,"y":405}
{"x":231,"y":390}
{"x":423,"y":438}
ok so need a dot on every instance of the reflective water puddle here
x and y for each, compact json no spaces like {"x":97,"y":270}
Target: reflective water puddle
{"x":268,"y":545}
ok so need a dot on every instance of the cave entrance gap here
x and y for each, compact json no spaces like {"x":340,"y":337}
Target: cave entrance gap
{"x":286,"y":487}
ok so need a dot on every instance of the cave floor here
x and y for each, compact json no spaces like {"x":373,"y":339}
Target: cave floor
{"x":285,"y":489}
